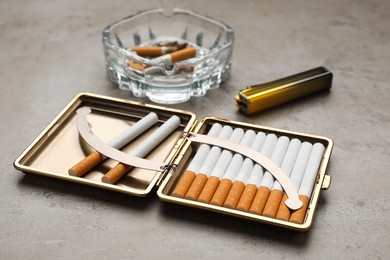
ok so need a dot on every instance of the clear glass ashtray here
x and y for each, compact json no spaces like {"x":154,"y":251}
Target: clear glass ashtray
{"x":168,"y":57}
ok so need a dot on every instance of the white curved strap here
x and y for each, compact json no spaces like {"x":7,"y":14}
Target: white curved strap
{"x":292,"y":202}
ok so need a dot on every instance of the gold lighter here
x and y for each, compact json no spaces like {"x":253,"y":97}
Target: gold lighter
{"x":263,"y":96}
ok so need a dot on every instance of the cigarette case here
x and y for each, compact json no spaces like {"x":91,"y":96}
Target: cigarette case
{"x":60,"y":146}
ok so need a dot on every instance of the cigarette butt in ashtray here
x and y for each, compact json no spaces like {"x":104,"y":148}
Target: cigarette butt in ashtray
{"x":118,"y":142}
{"x":256,"y":175}
{"x":176,"y":56}
{"x":276,"y":194}
{"x":229,"y":175}
{"x":173,"y":57}
{"x":267,"y":181}
{"x":208,"y":165}
{"x":296,"y":178}
{"x":306,"y":187}
{"x":189,"y":175}
{"x":155,"y":51}
{"x":143,"y":149}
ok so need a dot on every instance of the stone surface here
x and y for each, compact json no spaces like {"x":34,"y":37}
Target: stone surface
{"x":52,"y":50}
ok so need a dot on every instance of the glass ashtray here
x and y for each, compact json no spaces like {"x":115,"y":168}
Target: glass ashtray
{"x":168,"y":57}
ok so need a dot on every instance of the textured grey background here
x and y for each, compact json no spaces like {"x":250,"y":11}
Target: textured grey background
{"x":52,"y":50}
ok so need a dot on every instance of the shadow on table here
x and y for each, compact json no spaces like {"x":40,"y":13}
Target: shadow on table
{"x":52,"y":187}
{"x":236,"y":225}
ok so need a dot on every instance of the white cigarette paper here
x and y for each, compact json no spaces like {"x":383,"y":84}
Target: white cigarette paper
{"x":156,"y":137}
{"x":215,"y":152}
{"x":277,"y":157}
{"x":300,"y":164}
{"x":203,"y":150}
{"x":288,"y":161}
{"x":247,"y":166}
{"x":133,"y":131}
{"x":237,"y":160}
{"x":226,"y":155}
{"x":311,"y":170}
{"x":267,"y":149}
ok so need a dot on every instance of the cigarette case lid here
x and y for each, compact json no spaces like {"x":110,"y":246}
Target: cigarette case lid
{"x":110,"y":116}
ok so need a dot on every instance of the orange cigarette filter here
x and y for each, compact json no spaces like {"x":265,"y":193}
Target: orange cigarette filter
{"x":183,"y":54}
{"x":209,"y":189}
{"x":260,"y":200}
{"x":153,"y":51}
{"x":196,"y":186}
{"x":247,"y":197}
{"x":273,"y":202}
{"x":234,"y":195}
{"x":116,"y":173}
{"x":284,"y":212}
{"x":299,"y":215}
{"x":86,"y":164}
{"x":222,"y":191}
{"x":184,"y":184}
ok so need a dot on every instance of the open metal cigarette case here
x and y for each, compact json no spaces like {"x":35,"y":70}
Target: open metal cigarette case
{"x":60,"y":146}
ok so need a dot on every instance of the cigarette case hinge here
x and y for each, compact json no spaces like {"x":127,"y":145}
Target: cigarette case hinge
{"x":167,"y":168}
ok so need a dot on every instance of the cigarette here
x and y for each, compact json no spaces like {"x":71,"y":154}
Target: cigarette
{"x":307,"y":183}
{"x":234,"y":194}
{"x":143,"y":149}
{"x":296,"y":177}
{"x":176,"y":56}
{"x":243,"y":175}
{"x":276,"y":194}
{"x":235,"y":164}
{"x":189,"y":175}
{"x":118,"y":142}
{"x":208,"y":165}
{"x":267,"y":181}
{"x":219,"y":169}
{"x":256,"y":175}
{"x":154,"y":51}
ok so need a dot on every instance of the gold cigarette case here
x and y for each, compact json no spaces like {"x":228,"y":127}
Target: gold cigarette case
{"x":61,"y":145}
{"x":263,"y":96}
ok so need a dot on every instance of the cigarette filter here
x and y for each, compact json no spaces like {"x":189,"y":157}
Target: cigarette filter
{"x":234,"y":166}
{"x":256,"y":175}
{"x":154,"y":51}
{"x":296,"y":177}
{"x":212,"y":183}
{"x":176,"y":56}
{"x":243,"y":175}
{"x":263,"y":96}
{"x":195,"y":165}
{"x":267,"y":181}
{"x":208,"y":165}
{"x":273,"y":202}
{"x":308,"y":181}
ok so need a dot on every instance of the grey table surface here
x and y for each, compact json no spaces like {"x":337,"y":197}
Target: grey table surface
{"x":52,"y":50}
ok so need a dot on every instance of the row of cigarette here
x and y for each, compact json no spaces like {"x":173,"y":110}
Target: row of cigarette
{"x":222,"y":178}
{"x":167,"y":54}
{"x":123,"y":139}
